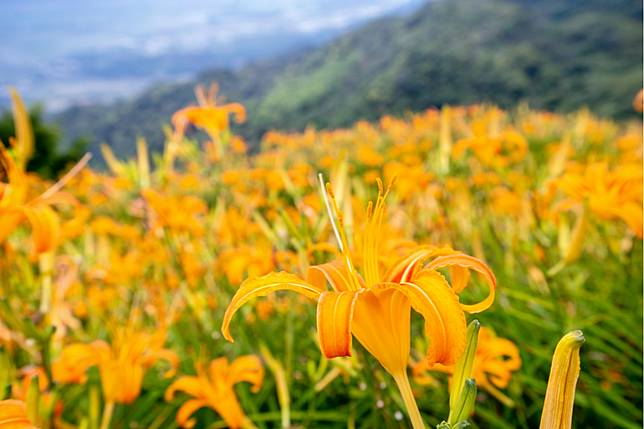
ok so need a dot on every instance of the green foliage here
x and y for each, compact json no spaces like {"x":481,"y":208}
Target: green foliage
{"x":49,"y":160}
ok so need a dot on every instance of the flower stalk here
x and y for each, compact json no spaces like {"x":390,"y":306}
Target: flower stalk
{"x":107,"y":415}
{"x":402,"y":381}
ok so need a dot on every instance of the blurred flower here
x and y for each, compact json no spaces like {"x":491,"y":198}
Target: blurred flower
{"x":609,"y":194}
{"x":214,"y":389}
{"x":210,"y":117}
{"x":494,"y":362}
{"x":16,"y":204}
{"x":13,"y":415}
{"x":121,"y":364}
{"x":638,"y":101}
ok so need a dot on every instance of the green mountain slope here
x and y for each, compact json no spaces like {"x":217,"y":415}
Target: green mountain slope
{"x":554,"y":54}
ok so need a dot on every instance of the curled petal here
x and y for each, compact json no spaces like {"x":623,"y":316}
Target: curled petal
{"x":237,"y":110}
{"x":247,"y":368}
{"x":431,"y":296}
{"x":261,"y":286}
{"x":334,"y":272}
{"x":460,"y":277}
{"x":188,"y":384}
{"x":468,"y":262}
{"x":171,"y":357}
{"x":334,"y":315}
{"x":188,"y":409}
{"x":506,"y":352}
{"x":407,"y":267}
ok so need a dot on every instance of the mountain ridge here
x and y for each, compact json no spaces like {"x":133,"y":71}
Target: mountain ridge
{"x":553,"y":55}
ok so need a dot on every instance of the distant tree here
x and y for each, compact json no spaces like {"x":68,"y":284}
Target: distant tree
{"x":48,"y":160}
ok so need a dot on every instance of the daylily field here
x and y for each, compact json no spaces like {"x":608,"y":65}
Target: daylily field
{"x":414,"y":272}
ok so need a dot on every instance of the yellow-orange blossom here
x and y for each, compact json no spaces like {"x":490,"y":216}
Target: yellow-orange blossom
{"x":214,"y":388}
{"x":376,"y":308}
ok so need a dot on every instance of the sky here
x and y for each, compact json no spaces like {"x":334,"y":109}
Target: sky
{"x":66,"y":52}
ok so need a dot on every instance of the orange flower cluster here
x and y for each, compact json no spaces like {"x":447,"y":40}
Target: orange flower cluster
{"x":107,"y":272}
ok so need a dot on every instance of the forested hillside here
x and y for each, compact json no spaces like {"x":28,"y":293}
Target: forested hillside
{"x":555,"y":55}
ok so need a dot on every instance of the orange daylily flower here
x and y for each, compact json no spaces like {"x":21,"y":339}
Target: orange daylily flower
{"x":181,"y":213}
{"x":609,"y":193}
{"x":13,"y":415}
{"x":74,"y":361}
{"x":16,"y":205}
{"x":375,"y":307}
{"x":209,"y":116}
{"x":214,"y":389}
{"x":236,"y":262}
{"x":121,"y":365}
{"x":493,"y":149}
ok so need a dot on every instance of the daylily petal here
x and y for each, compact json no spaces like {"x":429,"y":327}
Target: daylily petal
{"x":261,"y":286}
{"x":334,"y":272}
{"x":460,"y":277}
{"x":168,"y":355}
{"x":458,"y":262}
{"x":10,"y":218}
{"x":431,"y":296}
{"x":236,"y":109}
{"x":218,"y":369}
{"x":406,"y":267}
{"x":13,"y":415}
{"x":470,"y":262}
{"x":186,"y":410}
{"x":125,"y":388}
{"x":334,"y":315}
{"x":247,"y":368}
{"x":229,"y":409}
{"x":188,"y":384}
{"x":73,"y":362}
{"x":45,"y":227}
{"x":632,"y":214}
{"x":24,"y":146}
{"x":381,"y":323}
